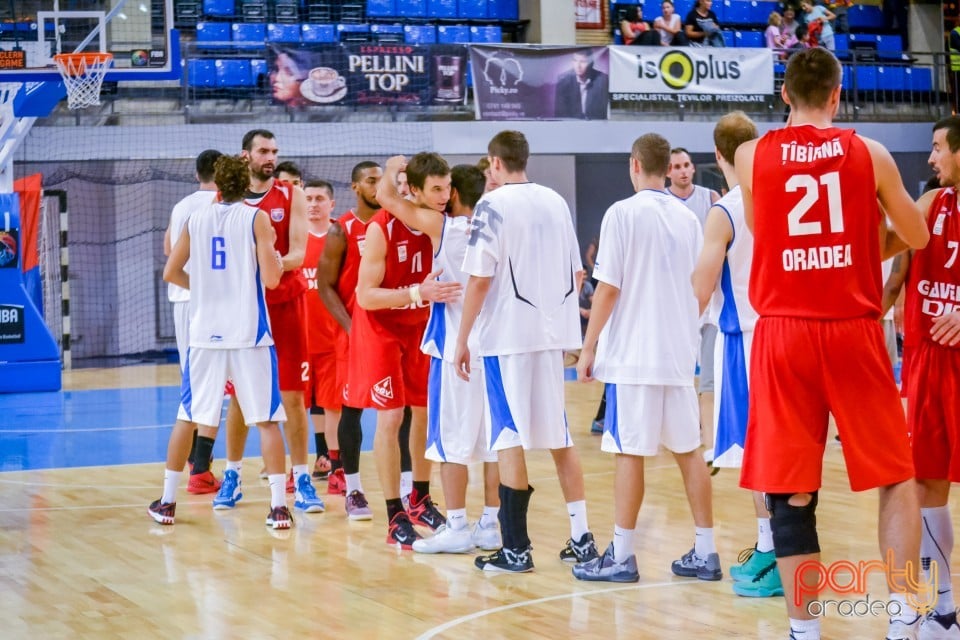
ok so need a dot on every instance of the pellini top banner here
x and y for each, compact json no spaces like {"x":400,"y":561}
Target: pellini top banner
{"x":690,"y":74}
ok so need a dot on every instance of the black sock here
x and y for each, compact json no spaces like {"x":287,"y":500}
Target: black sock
{"x":321,"y":441}
{"x":394,"y":506}
{"x":602,"y":409}
{"x":193,"y":447}
{"x":506,"y":494}
{"x":517,"y":502}
{"x":201,"y":461}
{"x":421,"y":488}
{"x":350,"y":434}
{"x":406,"y":464}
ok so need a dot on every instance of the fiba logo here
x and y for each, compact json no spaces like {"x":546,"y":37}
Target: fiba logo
{"x":11,"y":324}
{"x":8,"y":249}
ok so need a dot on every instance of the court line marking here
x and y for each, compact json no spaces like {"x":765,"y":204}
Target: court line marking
{"x":430,"y":633}
{"x":87,"y":430}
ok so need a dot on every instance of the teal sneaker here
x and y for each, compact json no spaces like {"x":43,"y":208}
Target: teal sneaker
{"x":766,"y":584}
{"x":751,"y":562}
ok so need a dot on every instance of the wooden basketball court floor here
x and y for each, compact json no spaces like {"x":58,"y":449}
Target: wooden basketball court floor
{"x":80,"y":558}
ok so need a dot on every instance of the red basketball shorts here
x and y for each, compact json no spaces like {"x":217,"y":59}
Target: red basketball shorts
{"x":322,"y":389}
{"x":933,"y":411}
{"x":386,"y":370}
{"x":286,"y":323}
{"x":801,"y":371}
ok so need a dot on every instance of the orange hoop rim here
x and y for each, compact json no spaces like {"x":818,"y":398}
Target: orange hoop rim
{"x":81,"y":61}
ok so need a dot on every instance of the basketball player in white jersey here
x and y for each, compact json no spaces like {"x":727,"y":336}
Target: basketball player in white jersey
{"x":699,"y":200}
{"x":648,"y":248}
{"x":724,"y":266}
{"x":456,"y":425}
{"x":201,"y":479}
{"x":523,"y":260}
{"x":229,"y":331}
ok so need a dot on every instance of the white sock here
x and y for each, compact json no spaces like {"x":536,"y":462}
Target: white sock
{"x":936,"y":545}
{"x":278,"y":489}
{"x":456,"y":519}
{"x":299,"y":470}
{"x":406,"y":483}
{"x":578,"y":519}
{"x":905,"y":613}
{"x":235,"y":466}
{"x":704,"y":544}
{"x":490,"y":517}
{"x":171,"y":480}
{"x":764,"y":535}
{"x":622,"y":543}
{"x":353,"y":483}
{"x":805,"y":629}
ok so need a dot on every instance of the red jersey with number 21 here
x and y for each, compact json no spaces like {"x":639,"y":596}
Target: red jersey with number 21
{"x":816,"y":226}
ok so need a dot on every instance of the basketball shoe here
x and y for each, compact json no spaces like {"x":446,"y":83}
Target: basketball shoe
{"x":690,"y":565}
{"x":583,"y":550}
{"x":306,"y":498}
{"x":606,"y":569}
{"x":446,"y":540}
{"x":321,"y":468}
{"x":765,"y":584}
{"x":357,"y":507}
{"x":425,"y":513}
{"x":202,"y":483}
{"x":279,"y":518}
{"x":506,"y":561}
{"x":401,"y":533}
{"x":162,"y":513}
{"x":900,"y":630}
{"x":229,"y":494}
{"x":487,"y":538}
{"x":939,"y":626}
{"x":336,"y":484}
{"x":751,"y":562}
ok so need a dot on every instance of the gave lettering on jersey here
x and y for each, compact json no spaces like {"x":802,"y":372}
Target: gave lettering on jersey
{"x":828,"y":257}
{"x":310,"y":273}
{"x":939,"y":298}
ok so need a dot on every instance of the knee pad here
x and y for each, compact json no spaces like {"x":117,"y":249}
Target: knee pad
{"x":794,"y":528}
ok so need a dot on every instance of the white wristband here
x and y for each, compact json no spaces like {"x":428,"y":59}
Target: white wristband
{"x":415,"y":294}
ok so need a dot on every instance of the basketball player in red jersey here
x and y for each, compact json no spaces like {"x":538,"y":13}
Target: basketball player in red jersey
{"x":810,"y":195}
{"x":387,"y":370}
{"x":286,"y":206}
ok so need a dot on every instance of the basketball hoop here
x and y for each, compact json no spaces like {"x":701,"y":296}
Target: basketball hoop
{"x":83,"y":76}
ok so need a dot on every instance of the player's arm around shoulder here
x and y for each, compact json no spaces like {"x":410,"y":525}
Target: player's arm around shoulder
{"x":298,"y":231}
{"x":908,"y":217}
{"x":743,"y":162}
{"x":717,"y":235}
{"x":268,"y":258}
{"x":173,"y":270}
{"x":420,"y":219}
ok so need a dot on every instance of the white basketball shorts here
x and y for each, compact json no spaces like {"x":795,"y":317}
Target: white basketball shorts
{"x":457,"y":429}
{"x":641,"y":417}
{"x":181,"y":329}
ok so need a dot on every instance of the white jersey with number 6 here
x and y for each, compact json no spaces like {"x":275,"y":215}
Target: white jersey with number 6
{"x":227,"y":305}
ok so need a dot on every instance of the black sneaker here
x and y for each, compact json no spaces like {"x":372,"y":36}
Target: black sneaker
{"x":506,"y":561}
{"x":583,"y":550}
{"x":426,"y":513}
{"x":163,"y":513}
{"x":401,"y":533}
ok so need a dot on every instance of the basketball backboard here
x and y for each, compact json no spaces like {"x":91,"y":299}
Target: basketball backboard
{"x":139,"y":34}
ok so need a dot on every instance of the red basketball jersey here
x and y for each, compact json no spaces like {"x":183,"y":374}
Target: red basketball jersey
{"x":408,"y":261}
{"x":816,"y":226}
{"x":933,"y":281}
{"x":355,"y":231}
{"x":276,"y":203}
{"x":321,"y":326}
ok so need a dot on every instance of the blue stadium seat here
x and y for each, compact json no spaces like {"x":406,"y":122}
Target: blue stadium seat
{"x":841,"y":44}
{"x":283,"y":33}
{"x":750,"y":39}
{"x":201,"y":72}
{"x":258,"y":67}
{"x":472,"y":9}
{"x":218,"y":8}
{"x":318,"y":33}
{"x":249,"y":35}
{"x":381,"y":8}
{"x":213,"y":35}
{"x":353,"y":32}
{"x":862,"y":16}
{"x":729,"y":38}
{"x":420,"y":34}
{"x":890,"y":78}
{"x":233,"y":72}
{"x":759,"y":12}
{"x":918,"y":79}
{"x":412,"y":8}
{"x":734,"y":12}
{"x":890,"y":47}
{"x":444,"y":9}
{"x":387,"y":32}
{"x":683,"y":7}
{"x":453,"y":34}
{"x":866,"y":75}
{"x":505,"y":10}
{"x":489,"y":34}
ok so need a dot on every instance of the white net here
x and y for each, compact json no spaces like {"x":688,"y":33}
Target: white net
{"x":83,"y":76}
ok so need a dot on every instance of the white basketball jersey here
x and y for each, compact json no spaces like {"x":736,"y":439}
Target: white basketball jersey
{"x":440,"y":338}
{"x":522,"y":236}
{"x":736,"y":313}
{"x":178,"y":218}
{"x":700,"y":202}
{"x":649,"y":245}
{"x":227,"y":305}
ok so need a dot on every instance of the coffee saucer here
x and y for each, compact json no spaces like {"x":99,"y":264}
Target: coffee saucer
{"x":307,"y":92}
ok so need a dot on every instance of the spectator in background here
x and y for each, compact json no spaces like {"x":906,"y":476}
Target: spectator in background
{"x":839,"y":9}
{"x":773,"y":36}
{"x":818,"y":19}
{"x":702,"y":27}
{"x":636,"y":30}
{"x":670,"y":27}
{"x":790,"y":27}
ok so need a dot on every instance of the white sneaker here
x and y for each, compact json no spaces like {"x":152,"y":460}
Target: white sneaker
{"x":445,"y":541}
{"x":936,"y":626}
{"x":899,"y":630}
{"x":487,"y":538}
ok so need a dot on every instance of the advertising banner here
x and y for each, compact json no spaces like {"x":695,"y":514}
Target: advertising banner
{"x":365,"y":74}
{"x":690,"y":74}
{"x":533,"y":83}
